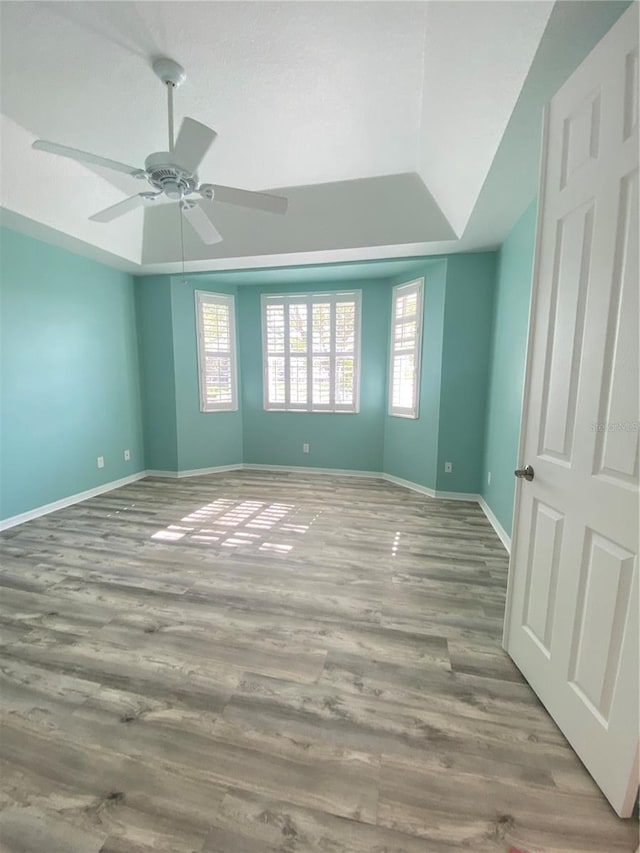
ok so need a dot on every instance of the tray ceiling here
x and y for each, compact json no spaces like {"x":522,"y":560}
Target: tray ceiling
{"x":381,"y":121}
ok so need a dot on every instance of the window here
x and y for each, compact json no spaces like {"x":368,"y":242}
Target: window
{"x":215,"y":323}
{"x":311,"y":350}
{"x":406,"y":349}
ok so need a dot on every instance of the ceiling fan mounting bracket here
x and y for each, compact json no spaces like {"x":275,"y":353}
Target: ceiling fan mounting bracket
{"x":169,"y":72}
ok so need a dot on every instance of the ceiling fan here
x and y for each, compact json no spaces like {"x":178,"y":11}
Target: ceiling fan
{"x":174,"y":173}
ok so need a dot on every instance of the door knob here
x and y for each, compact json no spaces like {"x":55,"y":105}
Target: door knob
{"x":525,"y":473}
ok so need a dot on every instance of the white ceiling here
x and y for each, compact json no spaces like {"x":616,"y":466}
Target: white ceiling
{"x":476,"y":59}
{"x":381,"y":119}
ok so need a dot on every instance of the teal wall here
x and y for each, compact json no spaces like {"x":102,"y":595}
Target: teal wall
{"x":69,"y":374}
{"x":178,"y":436}
{"x":411,"y":445}
{"x":204,"y":439}
{"x":157,"y":376}
{"x":507,"y":364}
{"x":455,"y":366}
{"x":348,"y":441}
{"x":121,"y":372}
{"x":465,"y":369}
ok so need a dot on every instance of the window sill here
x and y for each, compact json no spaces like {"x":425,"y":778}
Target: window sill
{"x":312,"y":411}
{"x":405,"y":417}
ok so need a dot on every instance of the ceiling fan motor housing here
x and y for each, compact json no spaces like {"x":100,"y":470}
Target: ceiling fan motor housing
{"x":169,"y":178}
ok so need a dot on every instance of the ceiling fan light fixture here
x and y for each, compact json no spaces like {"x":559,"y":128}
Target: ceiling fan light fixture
{"x":173,"y":190}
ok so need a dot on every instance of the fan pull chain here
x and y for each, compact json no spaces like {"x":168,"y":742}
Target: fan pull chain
{"x":184,"y":280}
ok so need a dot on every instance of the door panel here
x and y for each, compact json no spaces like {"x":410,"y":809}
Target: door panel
{"x":542,"y":573}
{"x":617,"y":457}
{"x":601,"y":622}
{"x":631,"y":93}
{"x":573,"y":245}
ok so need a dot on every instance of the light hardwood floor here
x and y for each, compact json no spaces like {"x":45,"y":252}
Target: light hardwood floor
{"x":257,"y":662}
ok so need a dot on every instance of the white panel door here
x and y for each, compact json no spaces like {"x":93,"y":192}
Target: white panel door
{"x":572,"y":614}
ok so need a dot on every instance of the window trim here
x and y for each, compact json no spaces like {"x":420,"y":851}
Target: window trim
{"x":207,"y":297}
{"x":416,"y":285}
{"x":332,"y":297}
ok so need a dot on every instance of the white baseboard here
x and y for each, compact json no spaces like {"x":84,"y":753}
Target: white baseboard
{"x":15,"y":520}
{"x":499,"y":529}
{"x":194,"y":472}
{"x":408,"y":484}
{"x":432,"y":493}
{"x":459,"y":496}
{"x":301,"y":469}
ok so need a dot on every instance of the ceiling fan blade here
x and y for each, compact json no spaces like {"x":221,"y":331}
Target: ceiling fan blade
{"x":245,"y":198}
{"x":193,"y":142}
{"x":85,"y":157}
{"x":201,"y":223}
{"x":120,"y":208}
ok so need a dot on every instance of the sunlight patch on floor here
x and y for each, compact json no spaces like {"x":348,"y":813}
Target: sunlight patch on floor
{"x":234,"y":524}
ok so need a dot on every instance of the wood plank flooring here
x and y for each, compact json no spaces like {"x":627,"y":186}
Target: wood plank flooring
{"x":274,"y":663}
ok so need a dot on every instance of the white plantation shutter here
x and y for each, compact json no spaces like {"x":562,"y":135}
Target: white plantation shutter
{"x":311,"y":350}
{"x":215,"y":324}
{"x":406,"y":349}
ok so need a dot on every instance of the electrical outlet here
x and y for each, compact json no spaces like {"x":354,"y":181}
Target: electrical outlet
{"x":489,"y":478}
{"x":100,"y":461}
{"x":305,"y":448}
{"x":127,"y":455}
{"x":448,"y":467}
